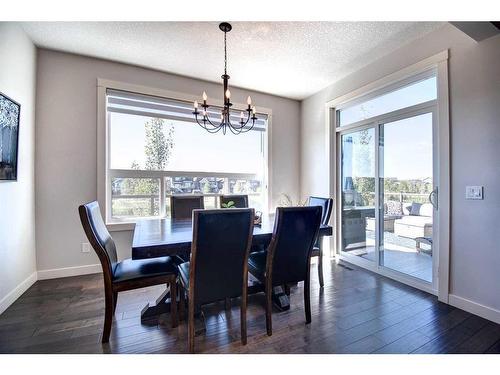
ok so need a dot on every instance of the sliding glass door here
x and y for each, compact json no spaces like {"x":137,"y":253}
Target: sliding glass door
{"x":406,"y":183}
{"x":386,"y":181}
{"x":358,"y":193}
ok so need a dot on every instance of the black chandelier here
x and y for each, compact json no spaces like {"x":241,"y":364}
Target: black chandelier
{"x":225,"y":123}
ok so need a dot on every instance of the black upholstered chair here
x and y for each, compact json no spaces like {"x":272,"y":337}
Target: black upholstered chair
{"x":218,"y":268}
{"x":182,"y":206}
{"x":326,"y":206}
{"x":127,"y":274}
{"x":287,"y":259}
{"x":240,"y":201}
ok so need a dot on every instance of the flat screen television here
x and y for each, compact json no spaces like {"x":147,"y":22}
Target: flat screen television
{"x":10,"y":112}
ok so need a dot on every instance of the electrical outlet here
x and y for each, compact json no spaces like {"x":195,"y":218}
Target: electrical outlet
{"x":474,"y":192}
{"x":85,"y":247}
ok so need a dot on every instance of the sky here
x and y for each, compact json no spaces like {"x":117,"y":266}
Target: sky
{"x":194,"y":148}
{"x":416,"y":93}
{"x":407,"y":151}
{"x":406,"y":155}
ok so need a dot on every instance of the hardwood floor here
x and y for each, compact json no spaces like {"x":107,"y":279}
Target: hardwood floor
{"x":356,"y":312}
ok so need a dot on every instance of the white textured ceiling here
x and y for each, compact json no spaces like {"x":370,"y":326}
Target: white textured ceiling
{"x":289,"y":59}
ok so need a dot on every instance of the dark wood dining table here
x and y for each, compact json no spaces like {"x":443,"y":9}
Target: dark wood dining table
{"x":161,"y":237}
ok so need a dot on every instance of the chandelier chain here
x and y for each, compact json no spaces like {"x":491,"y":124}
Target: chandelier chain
{"x":225,"y":54}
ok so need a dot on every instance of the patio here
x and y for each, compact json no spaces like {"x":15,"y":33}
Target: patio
{"x":399,"y":254}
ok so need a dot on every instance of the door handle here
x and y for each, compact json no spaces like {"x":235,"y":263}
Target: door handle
{"x":433,"y":198}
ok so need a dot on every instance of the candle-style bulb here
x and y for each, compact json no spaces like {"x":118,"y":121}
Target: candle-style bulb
{"x":204,"y":113}
{"x":196,"y":104}
{"x":228,"y":94}
{"x":205,"y":97}
{"x":241,"y":115}
{"x":253,"y":110}
{"x":249,"y":100}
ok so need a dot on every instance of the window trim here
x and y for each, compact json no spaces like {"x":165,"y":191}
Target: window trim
{"x":103,"y":143}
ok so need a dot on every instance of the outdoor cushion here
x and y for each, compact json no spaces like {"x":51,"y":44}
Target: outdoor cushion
{"x":426,"y":210}
{"x":419,"y":221}
{"x":394,"y":208}
{"x":415,"y":209}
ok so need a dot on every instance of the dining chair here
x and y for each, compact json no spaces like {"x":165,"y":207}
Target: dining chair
{"x":240,"y":201}
{"x":182,"y":206}
{"x":326,"y":211}
{"x":288,"y":256}
{"x":125,"y":275}
{"x":218,"y":267}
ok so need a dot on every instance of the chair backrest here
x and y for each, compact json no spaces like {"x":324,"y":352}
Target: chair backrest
{"x":181,"y":207}
{"x":99,"y":237}
{"x":326,"y":205}
{"x":240,"y":201}
{"x":219,"y":253}
{"x":294,"y":234}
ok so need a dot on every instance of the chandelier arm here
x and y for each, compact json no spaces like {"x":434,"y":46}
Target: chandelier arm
{"x":235,"y":130}
{"x":213,"y":130}
{"x":214,"y":125}
{"x":250,"y":127}
{"x":244,"y":127}
{"x":198,"y":121}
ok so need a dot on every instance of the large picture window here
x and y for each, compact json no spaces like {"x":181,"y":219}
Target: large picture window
{"x":155,"y":150}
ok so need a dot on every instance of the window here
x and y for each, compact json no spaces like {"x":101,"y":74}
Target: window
{"x":156,"y":150}
{"x":420,"y":90}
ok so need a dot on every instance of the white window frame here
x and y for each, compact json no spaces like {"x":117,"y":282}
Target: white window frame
{"x":105,"y":173}
{"x":439,"y":63}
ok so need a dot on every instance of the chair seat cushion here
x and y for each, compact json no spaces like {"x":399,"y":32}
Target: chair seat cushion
{"x":184,"y":274}
{"x":257,"y":264}
{"x":138,"y":269}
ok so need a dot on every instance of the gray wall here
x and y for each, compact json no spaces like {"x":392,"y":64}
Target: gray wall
{"x":17,"y":206}
{"x":66,"y":146}
{"x":474,"y":83}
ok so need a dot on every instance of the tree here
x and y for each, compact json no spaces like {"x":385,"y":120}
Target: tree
{"x":159,"y":144}
{"x":158,"y":149}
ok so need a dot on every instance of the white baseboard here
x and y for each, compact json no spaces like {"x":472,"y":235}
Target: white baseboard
{"x":14,"y":294}
{"x":69,"y":271}
{"x":475,"y":308}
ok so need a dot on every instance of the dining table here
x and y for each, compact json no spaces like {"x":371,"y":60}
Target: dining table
{"x":168,"y":237}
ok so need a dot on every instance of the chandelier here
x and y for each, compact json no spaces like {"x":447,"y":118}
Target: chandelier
{"x":246,"y":121}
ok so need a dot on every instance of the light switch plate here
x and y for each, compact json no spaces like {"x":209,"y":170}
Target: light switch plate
{"x":474,"y":192}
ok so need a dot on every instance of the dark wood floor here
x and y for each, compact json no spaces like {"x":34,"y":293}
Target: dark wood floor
{"x":356,"y":312}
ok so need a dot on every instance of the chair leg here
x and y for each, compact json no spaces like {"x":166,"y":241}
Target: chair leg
{"x":307,"y":298}
{"x":115,"y":300}
{"x":173,"y":303}
{"x":182,"y":302}
{"x":227,"y":304}
{"x":320,"y":264}
{"x":190,"y":326}
{"x":108,"y":315}
{"x":269,"y":306}
{"x":243,"y":318}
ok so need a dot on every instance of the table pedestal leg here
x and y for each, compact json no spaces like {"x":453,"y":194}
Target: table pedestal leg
{"x":161,"y":306}
{"x":280,"y":298}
